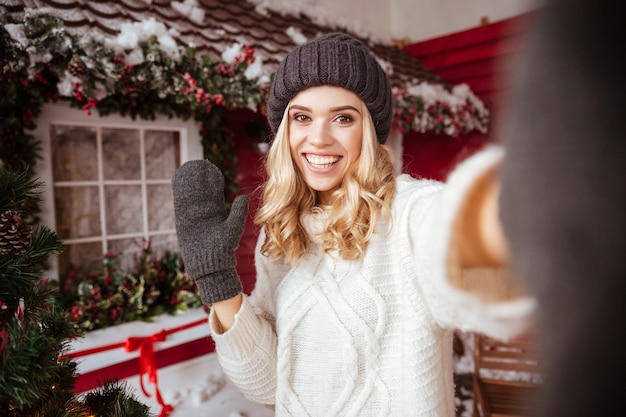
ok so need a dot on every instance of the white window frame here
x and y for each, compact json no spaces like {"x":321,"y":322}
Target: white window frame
{"x":63,"y":114}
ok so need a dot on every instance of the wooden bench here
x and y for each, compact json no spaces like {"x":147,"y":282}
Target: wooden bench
{"x":507,"y":376}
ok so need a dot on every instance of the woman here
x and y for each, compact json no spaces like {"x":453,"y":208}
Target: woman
{"x":359,"y":283}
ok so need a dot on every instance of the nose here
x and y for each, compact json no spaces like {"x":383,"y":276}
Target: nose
{"x":320,"y":133}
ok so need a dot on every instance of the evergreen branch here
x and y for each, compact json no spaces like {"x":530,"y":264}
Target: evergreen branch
{"x":43,"y":243}
{"x":18,"y":273}
{"x":30,"y":369}
{"x":112,"y":392}
{"x":18,"y":192}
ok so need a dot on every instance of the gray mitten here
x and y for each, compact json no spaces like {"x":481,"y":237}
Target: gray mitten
{"x":206,"y":236}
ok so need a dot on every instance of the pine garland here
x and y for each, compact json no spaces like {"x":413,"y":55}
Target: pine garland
{"x":44,"y":63}
{"x":110,"y":296}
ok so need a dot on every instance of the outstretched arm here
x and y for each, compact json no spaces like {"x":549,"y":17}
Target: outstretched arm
{"x":478,"y":233}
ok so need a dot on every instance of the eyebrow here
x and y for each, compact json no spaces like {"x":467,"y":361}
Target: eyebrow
{"x":331,"y":110}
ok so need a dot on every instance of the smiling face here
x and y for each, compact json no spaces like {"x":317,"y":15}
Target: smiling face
{"x":325,"y":135}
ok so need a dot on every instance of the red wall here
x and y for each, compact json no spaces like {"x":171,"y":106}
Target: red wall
{"x":479,"y":57}
{"x":433,"y":156}
{"x":247,"y":127}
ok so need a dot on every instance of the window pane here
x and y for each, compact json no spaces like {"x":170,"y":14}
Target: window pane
{"x":164,"y":243}
{"x":74,"y":153}
{"x":87,"y":256}
{"x":77,"y":212}
{"x":121,"y":154}
{"x":162,"y":156}
{"x":127,"y":251}
{"x":123,"y":209}
{"x":160,"y":207}
{"x":117,"y":201}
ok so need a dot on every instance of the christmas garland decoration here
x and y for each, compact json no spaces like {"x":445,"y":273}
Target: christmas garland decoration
{"x":143,"y":73}
{"x":111,"y":296}
{"x":44,"y":63}
{"x":431,"y":108}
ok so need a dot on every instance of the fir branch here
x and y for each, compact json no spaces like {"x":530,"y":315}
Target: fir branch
{"x":43,"y":243}
{"x":29,"y":368}
{"x":18,"y":192}
{"x":18,"y":273}
{"x":111,"y":400}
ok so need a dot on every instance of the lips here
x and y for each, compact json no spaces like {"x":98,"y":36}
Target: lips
{"x":321,"y":161}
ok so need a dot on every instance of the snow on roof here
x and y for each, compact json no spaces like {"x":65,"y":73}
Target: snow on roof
{"x":271,"y":28}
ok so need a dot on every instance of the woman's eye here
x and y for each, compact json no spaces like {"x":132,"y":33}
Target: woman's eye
{"x":301,"y":117}
{"x":344,"y":118}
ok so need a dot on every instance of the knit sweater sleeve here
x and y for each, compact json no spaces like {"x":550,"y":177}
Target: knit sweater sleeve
{"x":484,"y":300}
{"x":247,"y":352}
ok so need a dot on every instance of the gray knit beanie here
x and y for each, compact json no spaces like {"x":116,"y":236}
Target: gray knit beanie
{"x":333,"y":59}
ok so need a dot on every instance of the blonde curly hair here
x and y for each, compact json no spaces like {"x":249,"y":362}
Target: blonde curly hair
{"x":355,"y":207}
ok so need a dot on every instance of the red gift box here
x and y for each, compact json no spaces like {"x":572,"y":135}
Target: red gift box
{"x":140,"y":348}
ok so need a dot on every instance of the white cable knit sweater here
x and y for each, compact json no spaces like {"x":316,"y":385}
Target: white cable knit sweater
{"x":331,"y":337}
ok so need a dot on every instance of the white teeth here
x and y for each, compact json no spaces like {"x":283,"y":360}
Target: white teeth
{"x":321,"y":161}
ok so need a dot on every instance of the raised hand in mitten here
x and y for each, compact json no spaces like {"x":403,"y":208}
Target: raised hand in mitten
{"x":206,"y":235}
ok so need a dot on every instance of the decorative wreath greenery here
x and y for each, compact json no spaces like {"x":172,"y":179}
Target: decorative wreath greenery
{"x":44,"y":63}
{"x":112,"y":296}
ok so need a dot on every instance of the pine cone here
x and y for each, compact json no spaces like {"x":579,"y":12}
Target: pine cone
{"x":76,"y":66}
{"x":14,"y":233}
